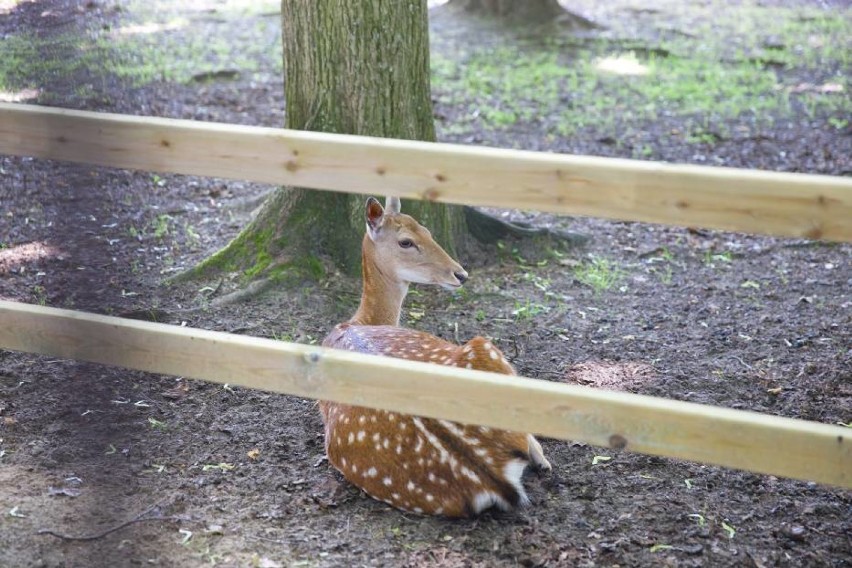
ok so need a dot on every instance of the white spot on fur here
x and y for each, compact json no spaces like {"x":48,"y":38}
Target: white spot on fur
{"x":372,"y":472}
{"x":470,"y":474}
{"x":445,"y":455}
{"x":361,"y":435}
{"x":387,"y":481}
{"x":455,"y":430}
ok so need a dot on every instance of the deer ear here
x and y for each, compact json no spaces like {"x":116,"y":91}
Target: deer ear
{"x":392,"y":205}
{"x":375,"y":215}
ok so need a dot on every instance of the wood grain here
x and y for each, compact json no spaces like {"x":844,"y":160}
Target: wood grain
{"x":732,"y":438}
{"x":784,"y":204}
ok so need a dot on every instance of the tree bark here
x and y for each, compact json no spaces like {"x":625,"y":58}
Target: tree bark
{"x":351,"y":67}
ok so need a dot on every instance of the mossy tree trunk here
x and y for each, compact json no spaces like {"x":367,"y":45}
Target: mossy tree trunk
{"x":351,"y":67}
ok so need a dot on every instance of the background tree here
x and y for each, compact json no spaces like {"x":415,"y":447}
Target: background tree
{"x":526,"y":11}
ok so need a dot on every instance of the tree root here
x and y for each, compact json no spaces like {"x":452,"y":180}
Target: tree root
{"x":488,"y":229}
{"x":251,"y":290}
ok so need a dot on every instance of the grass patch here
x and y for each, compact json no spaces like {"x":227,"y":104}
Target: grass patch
{"x":153,"y":42}
{"x":599,"y":274}
{"x":747,"y":64}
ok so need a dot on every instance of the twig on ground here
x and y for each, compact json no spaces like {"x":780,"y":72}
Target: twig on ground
{"x":141,"y":517}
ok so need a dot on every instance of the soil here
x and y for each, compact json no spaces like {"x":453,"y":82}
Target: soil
{"x":194,"y":474}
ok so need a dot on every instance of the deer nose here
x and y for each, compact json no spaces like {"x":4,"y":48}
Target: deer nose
{"x":461,"y":276}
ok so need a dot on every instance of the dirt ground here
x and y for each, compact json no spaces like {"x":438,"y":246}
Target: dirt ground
{"x":235,"y":477}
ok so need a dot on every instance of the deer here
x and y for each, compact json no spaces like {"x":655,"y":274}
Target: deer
{"x":417,"y":464}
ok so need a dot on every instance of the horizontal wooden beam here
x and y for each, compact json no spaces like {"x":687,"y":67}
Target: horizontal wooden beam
{"x":733,"y":438}
{"x":784,"y":204}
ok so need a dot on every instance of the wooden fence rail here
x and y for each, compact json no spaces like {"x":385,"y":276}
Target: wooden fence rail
{"x":733,"y":438}
{"x":785,"y":204}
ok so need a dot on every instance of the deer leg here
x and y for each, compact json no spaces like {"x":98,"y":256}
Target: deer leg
{"x":537,"y":454}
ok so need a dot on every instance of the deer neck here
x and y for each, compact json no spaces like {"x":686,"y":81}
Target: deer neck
{"x":382,"y":294}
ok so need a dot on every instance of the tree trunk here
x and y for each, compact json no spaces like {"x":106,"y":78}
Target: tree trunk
{"x":351,"y":67}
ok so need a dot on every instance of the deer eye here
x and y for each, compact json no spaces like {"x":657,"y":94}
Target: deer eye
{"x":406,"y":243}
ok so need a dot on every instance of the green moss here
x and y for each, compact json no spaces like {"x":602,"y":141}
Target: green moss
{"x":262,"y":262}
{"x":306,"y":267}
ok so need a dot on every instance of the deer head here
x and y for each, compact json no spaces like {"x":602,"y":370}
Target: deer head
{"x":404,"y":251}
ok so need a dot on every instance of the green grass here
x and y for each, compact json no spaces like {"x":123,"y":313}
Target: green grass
{"x":599,"y":274}
{"x":727,"y":72}
{"x":152,"y":43}
{"x":506,"y":87}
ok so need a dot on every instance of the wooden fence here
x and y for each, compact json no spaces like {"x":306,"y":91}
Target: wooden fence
{"x":776,"y":203}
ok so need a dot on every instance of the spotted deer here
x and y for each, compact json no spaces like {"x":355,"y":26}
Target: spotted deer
{"x":418,"y":464}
